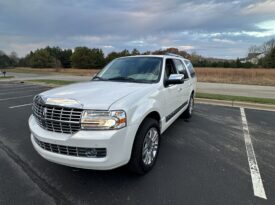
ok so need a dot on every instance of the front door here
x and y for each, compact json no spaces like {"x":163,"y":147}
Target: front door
{"x":172,"y":93}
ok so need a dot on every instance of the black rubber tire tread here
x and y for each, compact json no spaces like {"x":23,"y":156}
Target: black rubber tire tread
{"x":136,"y":164}
{"x":186,"y":114}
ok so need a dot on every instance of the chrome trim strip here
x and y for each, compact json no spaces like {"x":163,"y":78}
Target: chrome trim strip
{"x":172,"y":114}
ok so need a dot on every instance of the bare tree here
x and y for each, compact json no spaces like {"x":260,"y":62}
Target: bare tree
{"x":268,"y":46}
{"x":13,"y":56}
{"x":255,"y":49}
{"x":2,"y":53}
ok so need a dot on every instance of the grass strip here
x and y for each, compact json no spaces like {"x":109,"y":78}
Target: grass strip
{"x":52,"y":82}
{"x":235,"y":98}
{"x":7,"y":77}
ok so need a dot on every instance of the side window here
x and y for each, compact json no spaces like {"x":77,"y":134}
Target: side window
{"x":169,"y":68}
{"x":181,"y":68}
{"x":190,"y":68}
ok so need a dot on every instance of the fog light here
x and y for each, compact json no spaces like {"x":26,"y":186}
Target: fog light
{"x":91,"y":152}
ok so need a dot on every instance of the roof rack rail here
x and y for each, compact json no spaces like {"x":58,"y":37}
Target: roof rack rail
{"x":172,"y":54}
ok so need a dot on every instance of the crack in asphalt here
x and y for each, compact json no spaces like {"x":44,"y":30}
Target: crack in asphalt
{"x":51,"y":191}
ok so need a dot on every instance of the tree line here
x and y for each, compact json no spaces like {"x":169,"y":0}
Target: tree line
{"x":55,"y":57}
{"x":84,"y":57}
{"x":8,"y":60}
{"x":268,"y":51}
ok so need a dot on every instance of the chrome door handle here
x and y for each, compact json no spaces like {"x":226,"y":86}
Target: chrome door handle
{"x":179,"y":89}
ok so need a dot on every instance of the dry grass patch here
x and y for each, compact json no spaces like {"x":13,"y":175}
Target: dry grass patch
{"x":52,"y":82}
{"x":68,"y":71}
{"x":252,"y":76}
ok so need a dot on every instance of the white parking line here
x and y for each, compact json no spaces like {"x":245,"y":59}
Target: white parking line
{"x":18,"y":88}
{"x":257,"y":183}
{"x":25,"y":96}
{"x":22,"y":91}
{"x":16,"y":106}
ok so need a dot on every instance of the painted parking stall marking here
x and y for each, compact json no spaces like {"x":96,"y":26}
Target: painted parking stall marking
{"x":13,"y":98}
{"x":16,"y":88}
{"x":23,"y":91}
{"x":257,"y":183}
{"x":23,"y":105}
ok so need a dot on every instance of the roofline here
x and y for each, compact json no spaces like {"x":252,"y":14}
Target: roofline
{"x":152,"y":55}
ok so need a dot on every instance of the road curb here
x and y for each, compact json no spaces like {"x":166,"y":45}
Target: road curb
{"x":227,"y":103}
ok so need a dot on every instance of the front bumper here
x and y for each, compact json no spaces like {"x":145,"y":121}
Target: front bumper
{"x":118,"y":144}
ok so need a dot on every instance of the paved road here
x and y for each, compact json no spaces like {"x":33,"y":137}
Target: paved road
{"x":202,"y":161}
{"x":216,"y":88}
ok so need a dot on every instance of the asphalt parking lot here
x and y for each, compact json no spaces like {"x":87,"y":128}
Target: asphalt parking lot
{"x":202,"y":161}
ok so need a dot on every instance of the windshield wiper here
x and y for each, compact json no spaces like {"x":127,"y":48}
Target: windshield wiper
{"x":124,"y":79}
{"x":98,"y":78}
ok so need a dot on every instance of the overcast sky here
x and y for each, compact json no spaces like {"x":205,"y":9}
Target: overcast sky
{"x":217,"y":28}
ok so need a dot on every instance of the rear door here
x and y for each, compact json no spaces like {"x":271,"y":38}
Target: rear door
{"x":192,"y":73}
{"x":185,"y":88}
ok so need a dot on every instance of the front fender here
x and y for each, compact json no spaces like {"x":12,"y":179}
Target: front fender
{"x":143,"y":110}
{"x":139,"y":104}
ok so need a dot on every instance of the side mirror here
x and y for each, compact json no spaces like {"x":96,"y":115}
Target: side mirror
{"x":175,"y":79}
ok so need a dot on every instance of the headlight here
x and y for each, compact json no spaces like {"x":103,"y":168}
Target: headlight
{"x":93,"y":120}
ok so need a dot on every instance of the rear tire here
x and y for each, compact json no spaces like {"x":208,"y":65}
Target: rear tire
{"x":145,"y":148}
{"x":187,"y":114}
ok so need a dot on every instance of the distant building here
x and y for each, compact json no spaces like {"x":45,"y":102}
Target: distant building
{"x":253,"y":58}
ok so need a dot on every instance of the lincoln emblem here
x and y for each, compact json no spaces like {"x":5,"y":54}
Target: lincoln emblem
{"x":44,"y":112}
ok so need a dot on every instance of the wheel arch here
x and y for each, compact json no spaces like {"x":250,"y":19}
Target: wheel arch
{"x":152,"y":115}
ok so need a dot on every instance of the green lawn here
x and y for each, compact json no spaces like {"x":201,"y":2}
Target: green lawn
{"x":235,"y":98}
{"x":52,"y":82}
{"x":7,"y":77}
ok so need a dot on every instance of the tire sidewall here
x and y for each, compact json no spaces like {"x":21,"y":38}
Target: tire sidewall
{"x":186,"y":114}
{"x":191,"y":101}
{"x":144,"y":166}
{"x":136,"y":163}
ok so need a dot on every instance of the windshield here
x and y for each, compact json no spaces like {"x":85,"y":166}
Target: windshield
{"x":132,"y":69}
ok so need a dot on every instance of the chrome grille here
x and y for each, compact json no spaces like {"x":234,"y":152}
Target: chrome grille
{"x":56,"y":119}
{"x":72,"y":151}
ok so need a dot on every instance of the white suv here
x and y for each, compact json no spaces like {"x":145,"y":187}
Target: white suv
{"x":116,"y":118}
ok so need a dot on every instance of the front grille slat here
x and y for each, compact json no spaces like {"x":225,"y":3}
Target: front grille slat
{"x":56,"y":119}
{"x":72,"y":151}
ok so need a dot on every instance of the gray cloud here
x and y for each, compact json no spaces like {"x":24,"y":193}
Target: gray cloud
{"x":213,"y":28}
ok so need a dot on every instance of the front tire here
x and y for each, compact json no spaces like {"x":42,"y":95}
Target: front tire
{"x":146,"y":147}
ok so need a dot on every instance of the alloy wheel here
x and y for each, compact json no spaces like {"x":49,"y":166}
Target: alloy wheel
{"x":150,"y":146}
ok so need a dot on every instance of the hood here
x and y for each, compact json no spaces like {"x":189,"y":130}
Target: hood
{"x":98,"y":95}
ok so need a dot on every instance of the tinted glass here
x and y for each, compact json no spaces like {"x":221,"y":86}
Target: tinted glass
{"x":181,"y":68}
{"x":132,"y":69}
{"x":169,"y":68}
